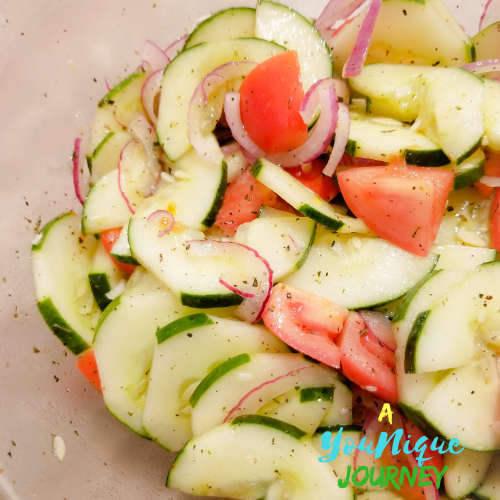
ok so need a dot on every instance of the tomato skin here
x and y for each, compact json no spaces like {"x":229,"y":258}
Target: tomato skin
{"x":491,"y":167}
{"x":363,"y":367}
{"x":305,"y":322}
{"x":109,"y":238}
{"x":400,"y":203}
{"x":88,"y":367}
{"x":242,"y":201}
{"x":495,"y":221}
{"x":270,"y":99}
{"x":315,"y":180}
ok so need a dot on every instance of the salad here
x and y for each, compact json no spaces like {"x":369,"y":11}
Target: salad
{"x":288,"y":225}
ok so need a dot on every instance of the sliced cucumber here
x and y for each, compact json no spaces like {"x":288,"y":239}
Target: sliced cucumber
{"x":378,"y":140}
{"x":451,"y":111}
{"x":124,"y":100}
{"x":124,"y":344}
{"x":444,"y":44}
{"x":464,"y":404}
{"x":359,"y":272}
{"x":466,"y":472}
{"x":469,"y":171}
{"x":377,"y":106}
{"x":492,"y":113}
{"x":283,"y":241}
{"x":106,"y":155}
{"x":443,"y":336}
{"x":181,"y":78}
{"x":223,"y":388}
{"x":380,"y":495}
{"x":340,"y":412}
{"x":61,"y":260}
{"x":121,"y":249}
{"x":195,"y":280}
{"x":284,"y":26}
{"x":229,"y":24}
{"x":487,"y":41}
{"x":255,"y":457}
{"x":104,"y":275}
{"x":304,"y":200}
{"x":187,"y":351}
{"x":490,"y":488}
{"x":462,"y":258}
{"x":104,"y":123}
{"x":195,"y":199}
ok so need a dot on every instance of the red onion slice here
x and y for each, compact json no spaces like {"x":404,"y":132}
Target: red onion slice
{"x":77,"y":169}
{"x":81,"y":175}
{"x":358,"y":55}
{"x":152,"y":56}
{"x":341,"y":138}
{"x":380,"y":327}
{"x":311,"y":100}
{"x":246,"y":259}
{"x":370,"y":432}
{"x":236,"y":290}
{"x":122,"y":192}
{"x":206,"y":145}
{"x":490,"y":15}
{"x":485,"y":66}
{"x":335,"y":10}
{"x":150,"y":89}
{"x":175,"y":47}
{"x":164,"y":219}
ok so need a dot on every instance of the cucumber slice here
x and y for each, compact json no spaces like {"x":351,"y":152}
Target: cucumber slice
{"x":340,"y":412}
{"x":187,"y":350}
{"x":121,"y":249}
{"x":255,"y":457}
{"x":195,"y":280}
{"x":124,"y":100}
{"x":283,"y":241}
{"x":103,"y":276}
{"x":304,"y":200}
{"x":61,"y":260}
{"x":377,"y":106}
{"x":468,"y":172}
{"x":466,"y":472}
{"x":181,"y":78}
{"x":124,"y":344}
{"x":492,"y":113}
{"x":464,"y":405}
{"x":451,"y":111}
{"x":359,"y":272}
{"x":106,"y":155}
{"x":487,"y":41}
{"x":380,"y":495}
{"x":375,"y":139}
{"x":196,"y":199}
{"x":104,"y":123}
{"x":284,"y":26}
{"x":223,"y":388}
{"x":229,"y":24}
{"x":443,"y":336}
{"x":444,"y":43}
{"x":462,"y":258}
{"x":490,"y":488}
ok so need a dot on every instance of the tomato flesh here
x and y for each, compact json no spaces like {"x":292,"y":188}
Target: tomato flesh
{"x":108,"y":239}
{"x":314,"y":179}
{"x":242,"y":202}
{"x":88,"y":367}
{"x":400,"y":203}
{"x":270,"y":99}
{"x":305,"y":322}
{"x":370,"y":367}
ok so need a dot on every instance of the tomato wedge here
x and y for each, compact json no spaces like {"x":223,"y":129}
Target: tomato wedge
{"x":270,"y":99}
{"x":108,"y":239}
{"x":402,"y":204}
{"x":305,"y":322}
{"x":367,"y":364}
{"x":242,"y":201}
{"x":88,"y":366}
{"x":313,"y":178}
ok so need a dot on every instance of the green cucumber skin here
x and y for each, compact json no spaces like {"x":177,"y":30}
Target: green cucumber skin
{"x":118,"y":88}
{"x":336,"y":428}
{"x":210,"y":301}
{"x":256,"y":168}
{"x":299,"y":264}
{"x":45,"y":230}
{"x":466,"y":179}
{"x":411,"y":345}
{"x":181,"y":325}
{"x":111,"y":307}
{"x":269,"y":422}
{"x":219,"y":198}
{"x":472,"y":150}
{"x":99,"y":284}
{"x":310,"y":394}
{"x":125,"y":259}
{"x":422,"y":423}
{"x":350,"y":148}
{"x":215,"y":375}
{"x":91,"y":157}
{"x":61,"y":329}
{"x":325,"y":221}
{"x":430,"y":158}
